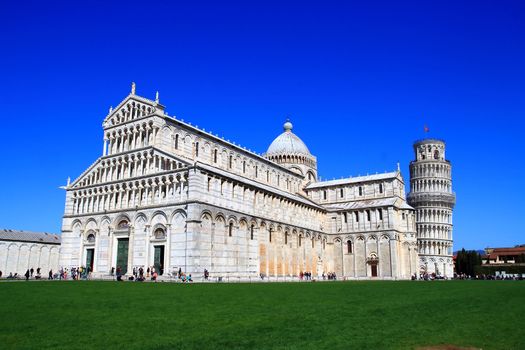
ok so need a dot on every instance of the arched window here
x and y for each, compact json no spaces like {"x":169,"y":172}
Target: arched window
{"x":231,"y":162}
{"x":345,"y":216}
{"x":313,"y":242}
{"x":380,"y":212}
{"x":349,"y":247}
{"x":436,"y":154}
{"x":196,"y":149}
{"x":324,"y":195}
{"x":91,"y":238}
{"x":270,"y":235}
{"x":356,"y":216}
{"x":342,"y":193}
{"x":300,"y":240}
{"x":380,"y":188}
{"x":230,"y":229}
{"x":286,"y":238}
{"x":177,"y":141}
{"x":360,"y":190}
{"x":244,"y":167}
{"x":251,"y":232}
{"x":368,"y":215}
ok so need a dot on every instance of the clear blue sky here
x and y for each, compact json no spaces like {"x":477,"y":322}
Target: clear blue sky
{"x":359,"y":81}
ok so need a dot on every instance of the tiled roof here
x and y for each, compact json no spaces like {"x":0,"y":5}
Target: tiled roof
{"x":27,"y":236}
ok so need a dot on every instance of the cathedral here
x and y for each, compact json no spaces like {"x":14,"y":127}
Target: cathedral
{"x":169,"y":195}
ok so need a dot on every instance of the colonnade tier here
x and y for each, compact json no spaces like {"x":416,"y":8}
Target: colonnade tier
{"x":129,"y":138}
{"x":293,"y":159}
{"x":436,"y":231}
{"x":129,"y":166}
{"x":130,"y":194}
{"x":434,"y":215}
{"x":430,"y":247}
{"x":430,"y":169}
{"x":130,"y":111}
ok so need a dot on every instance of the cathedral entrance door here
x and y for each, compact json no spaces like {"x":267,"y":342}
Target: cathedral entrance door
{"x":122,"y":254}
{"x":158,"y":260}
{"x":374,"y":270}
{"x":90,"y":255}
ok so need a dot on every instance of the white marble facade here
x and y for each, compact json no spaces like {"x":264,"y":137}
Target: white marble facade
{"x":168,"y":194}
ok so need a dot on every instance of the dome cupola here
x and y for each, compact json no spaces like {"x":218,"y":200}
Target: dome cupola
{"x":290,"y":151}
{"x":288,"y":143}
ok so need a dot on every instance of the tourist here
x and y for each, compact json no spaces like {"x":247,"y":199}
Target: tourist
{"x":27,"y":275}
{"x":50,"y":275}
{"x":119,"y":274}
{"x":189,"y":278}
{"x":31,"y":271}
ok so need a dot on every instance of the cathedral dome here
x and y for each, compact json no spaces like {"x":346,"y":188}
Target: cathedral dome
{"x":288,"y":143}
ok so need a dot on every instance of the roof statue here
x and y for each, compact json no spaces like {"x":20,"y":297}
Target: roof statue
{"x":133,"y":88}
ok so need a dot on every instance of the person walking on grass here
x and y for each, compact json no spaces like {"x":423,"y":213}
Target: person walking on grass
{"x":27,"y":275}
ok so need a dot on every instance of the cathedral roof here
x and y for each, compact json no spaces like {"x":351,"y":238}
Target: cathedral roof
{"x":352,"y":180}
{"x":27,"y":236}
{"x":288,"y":143}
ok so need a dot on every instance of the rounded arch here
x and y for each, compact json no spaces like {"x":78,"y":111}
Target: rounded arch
{"x":206,"y":214}
{"x":181,"y":212}
{"x":119,"y":220}
{"x":233,"y":219}
{"x":91,"y":223}
{"x":158,"y":217}
{"x":220,"y":217}
{"x":76,"y":224}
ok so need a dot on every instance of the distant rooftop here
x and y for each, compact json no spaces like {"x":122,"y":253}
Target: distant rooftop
{"x":351,"y":180}
{"x":28,"y":236}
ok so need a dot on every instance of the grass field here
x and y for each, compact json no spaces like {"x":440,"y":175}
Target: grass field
{"x":351,"y":315}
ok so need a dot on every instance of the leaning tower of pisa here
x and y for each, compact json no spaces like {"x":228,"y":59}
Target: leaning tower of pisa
{"x":432,"y":197}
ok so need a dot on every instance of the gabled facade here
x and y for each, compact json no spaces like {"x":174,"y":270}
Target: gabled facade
{"x":168,"y":195}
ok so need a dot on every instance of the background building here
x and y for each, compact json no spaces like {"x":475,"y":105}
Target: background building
{"x":23,"y":250}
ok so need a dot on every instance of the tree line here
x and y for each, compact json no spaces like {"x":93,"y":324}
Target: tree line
{"x":466,"y":262}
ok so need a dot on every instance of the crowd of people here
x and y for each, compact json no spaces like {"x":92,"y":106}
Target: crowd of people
{"x":514,"y":277}
{"x":30,"y":274}
{"x":331,"y":276}
{"x":141,"y":275}
{"x":150,"y":274}
{"x":306,"y":276}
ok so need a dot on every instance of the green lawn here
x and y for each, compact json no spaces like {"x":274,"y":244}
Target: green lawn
{"x":350,"y":315}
